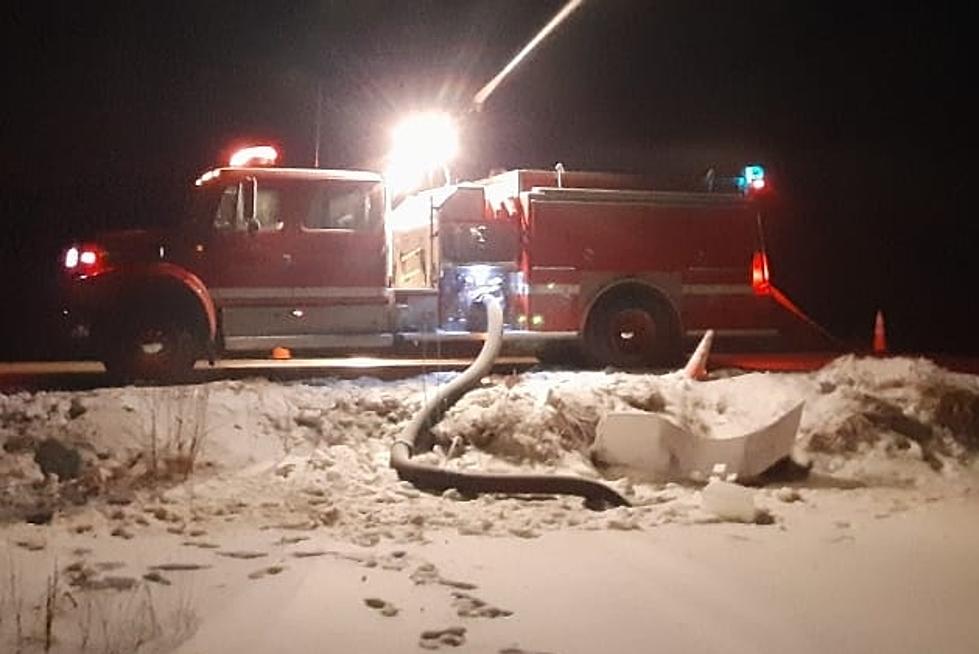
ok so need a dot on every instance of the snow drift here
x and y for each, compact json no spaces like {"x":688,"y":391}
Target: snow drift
{"x":314,"y":454}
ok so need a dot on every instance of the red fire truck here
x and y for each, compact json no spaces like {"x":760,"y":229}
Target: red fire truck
{"x":599,"y":265}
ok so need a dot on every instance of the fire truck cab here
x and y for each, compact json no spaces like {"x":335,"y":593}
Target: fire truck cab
{"x":590,"y":264}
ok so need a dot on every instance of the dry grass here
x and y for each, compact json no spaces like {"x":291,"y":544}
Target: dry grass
{"x":130,"y":621}
{"x":175,"y":431}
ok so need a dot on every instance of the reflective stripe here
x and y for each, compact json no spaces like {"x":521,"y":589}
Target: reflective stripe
{"x":717,"y":289}
{"x":519,"y":336}
{"x":553,"y":288}
{"x":256,"y":292}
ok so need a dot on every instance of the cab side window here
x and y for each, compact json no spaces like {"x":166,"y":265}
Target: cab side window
{"x":232,"y":208}
{"x":345,"y":205}
{"x":226,"y":216}
{"x":268,"y":209}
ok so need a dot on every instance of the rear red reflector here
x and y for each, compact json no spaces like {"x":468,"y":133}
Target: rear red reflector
{"x":760,"y":283}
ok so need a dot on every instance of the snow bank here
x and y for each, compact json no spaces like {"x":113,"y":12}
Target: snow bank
{"x":865,"y":411}
{"x":203,"y":485}
{"x":314,"y":454}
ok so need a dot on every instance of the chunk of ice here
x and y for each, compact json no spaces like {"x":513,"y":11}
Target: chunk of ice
{"x":729,"y":501}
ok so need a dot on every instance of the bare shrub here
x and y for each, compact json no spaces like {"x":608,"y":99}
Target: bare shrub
{"x":132,"y":621}
{"x":174,"y":431}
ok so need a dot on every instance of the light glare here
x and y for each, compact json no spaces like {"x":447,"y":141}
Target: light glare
{"x":422,"y":144}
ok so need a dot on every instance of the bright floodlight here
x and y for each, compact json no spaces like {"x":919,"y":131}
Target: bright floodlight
{"x":422,"y":144}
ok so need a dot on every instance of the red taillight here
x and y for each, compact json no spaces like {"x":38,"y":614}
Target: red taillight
{"x":85,"y":260}
{"x":760,"y":283}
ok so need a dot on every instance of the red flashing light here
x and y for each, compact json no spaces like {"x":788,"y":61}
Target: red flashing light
{"x":758,"y":184}
{"x":85,"y":261}
{"x":256,"y":155}
{"x":760,"y":282}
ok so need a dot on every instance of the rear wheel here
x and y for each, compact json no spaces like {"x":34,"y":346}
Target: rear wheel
{"x":631,"y":330}
{"x":152,"y":346}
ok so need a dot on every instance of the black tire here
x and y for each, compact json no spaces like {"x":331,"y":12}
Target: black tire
{"x":631,"y":328}
{"x":152,"y":345}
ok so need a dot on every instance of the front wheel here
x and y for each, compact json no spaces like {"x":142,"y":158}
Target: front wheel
{"x":631,"y":330}
{"x":151,"y":346}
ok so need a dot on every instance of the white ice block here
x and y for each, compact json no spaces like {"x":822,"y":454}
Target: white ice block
{"x":652,"y":445}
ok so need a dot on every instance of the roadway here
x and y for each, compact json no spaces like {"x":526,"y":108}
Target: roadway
{"x":80,"y":375}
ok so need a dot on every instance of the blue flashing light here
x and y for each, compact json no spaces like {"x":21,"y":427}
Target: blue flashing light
{"x":752,"y":178}
{"x":753,"y":173}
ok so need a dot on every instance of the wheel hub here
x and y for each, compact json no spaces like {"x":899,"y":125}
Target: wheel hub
{"x":633,"y":332}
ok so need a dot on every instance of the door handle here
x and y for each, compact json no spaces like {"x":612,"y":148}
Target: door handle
{"x":287,"y":259}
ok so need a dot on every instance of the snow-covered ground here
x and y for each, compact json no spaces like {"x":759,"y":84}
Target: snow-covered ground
{"x":256,"y":516}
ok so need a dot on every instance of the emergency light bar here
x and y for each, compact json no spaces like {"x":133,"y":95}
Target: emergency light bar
{"x":256,"y":155}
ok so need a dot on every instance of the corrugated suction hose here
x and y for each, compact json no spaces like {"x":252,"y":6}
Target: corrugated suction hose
{"x":432,"y":478}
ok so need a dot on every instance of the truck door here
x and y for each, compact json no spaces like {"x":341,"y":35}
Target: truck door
{"x":240,"y":254}
{"x":338,"y":259}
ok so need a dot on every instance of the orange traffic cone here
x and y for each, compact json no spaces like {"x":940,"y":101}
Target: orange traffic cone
{"x":281,"y":353}
{"x":696,"y":367}
{"x":880,"y":335}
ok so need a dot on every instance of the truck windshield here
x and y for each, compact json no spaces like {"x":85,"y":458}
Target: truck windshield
{"x":202,"y":206}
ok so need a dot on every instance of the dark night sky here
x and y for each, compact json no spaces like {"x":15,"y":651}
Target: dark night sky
{"x":858,"y":110}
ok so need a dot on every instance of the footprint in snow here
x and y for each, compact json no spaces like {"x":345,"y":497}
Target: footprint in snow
{"x":448,"y":637}
{"x":179,"y":567}
{"x":265,"y":572}
{"x":204,"y":545}
{"x":122,"y":532}
{"x":156,"y":578}
{"x":109,"y":566}
{"x":243,"y":555}
{"x":387,"y":609}
{"x":469,"y":606}
{"x":31,"y":544}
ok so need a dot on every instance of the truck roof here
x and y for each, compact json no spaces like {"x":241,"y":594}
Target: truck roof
{"x":523,"y":179}
{"x":590,"y":186}
{"x":296,"y":173}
